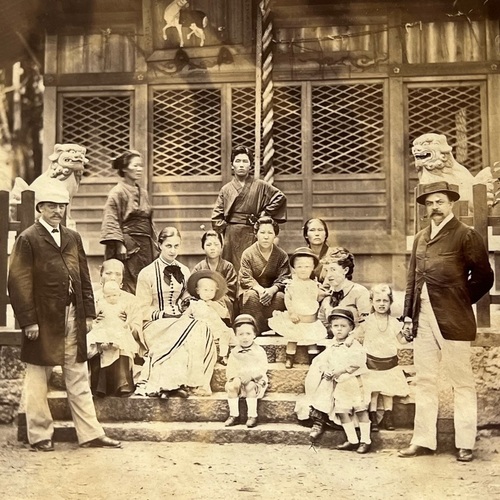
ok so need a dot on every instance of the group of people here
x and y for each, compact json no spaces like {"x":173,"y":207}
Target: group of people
{"x":154,"y":326}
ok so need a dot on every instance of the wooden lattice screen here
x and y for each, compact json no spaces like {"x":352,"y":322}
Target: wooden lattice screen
{"x":101,"y":123}
{"x":187,"y":132}
{"x":452,"y":110}
{"x":348,"y":128}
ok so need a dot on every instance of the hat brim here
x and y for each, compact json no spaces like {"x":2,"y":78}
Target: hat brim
{"x":207,"y":273}
{"x":303,"y":253}
{"x":49,"y":201}
{"x":244,"y":319}
{"x":452,"y":195}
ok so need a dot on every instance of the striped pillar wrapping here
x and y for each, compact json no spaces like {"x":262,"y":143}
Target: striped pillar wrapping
{"x":267,"y":92}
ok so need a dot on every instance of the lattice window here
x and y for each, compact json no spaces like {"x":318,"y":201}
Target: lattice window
{"x":101,"y":123}
{"x":186,"y":132}
{"x":243,"y":117}
{"x":287,"y":130}
{"x":348,"y":129}
{"x":452,"y":111}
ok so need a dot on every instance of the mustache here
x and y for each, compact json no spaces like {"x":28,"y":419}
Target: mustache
{"x":436,"y":212}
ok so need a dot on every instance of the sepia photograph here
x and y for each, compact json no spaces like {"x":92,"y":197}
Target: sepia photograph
{"x":249,"y":249}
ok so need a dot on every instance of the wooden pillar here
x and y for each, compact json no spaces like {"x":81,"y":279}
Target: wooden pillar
{"x":307,"y":151}
{"x":4,"y":240}
{"x":139,"y":132}
{"x":50,"y":118}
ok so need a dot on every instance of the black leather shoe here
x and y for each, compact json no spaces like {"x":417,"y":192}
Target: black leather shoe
{"x":347,"y":446}
{"x":251,"y":422}
{"x":374,"y":421}
{"x":465,"y":455}
{"x":388,"y":421}
{"x":179,"y":393}
{"x":231,"y":421}
{"x":415,"y":451}
{"x":45,"y":445}
{"x":363,"y":448}
{"x":102,"y":442}
{"x":316,"y":432}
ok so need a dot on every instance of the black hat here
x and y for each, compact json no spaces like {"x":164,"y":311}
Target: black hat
{"x":423,"y":190}
{"x":207,"y":273}
{"x":244,"y":319}
{"x":339,"y":312}
{"x":303,"y":252}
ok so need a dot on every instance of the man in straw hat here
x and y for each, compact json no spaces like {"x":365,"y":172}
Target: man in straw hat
{"x":448,"y":272}
{"x":51,"y":294}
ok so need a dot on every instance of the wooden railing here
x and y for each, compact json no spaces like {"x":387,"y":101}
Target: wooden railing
{"x":480,"y":219}
{"x":25,"y":217}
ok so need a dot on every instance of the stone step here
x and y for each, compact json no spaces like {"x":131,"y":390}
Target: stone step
{"x":275,"y":348}
{"x":274,"y":407}
{"x":265,"y":433}
{"x":280,"y":378}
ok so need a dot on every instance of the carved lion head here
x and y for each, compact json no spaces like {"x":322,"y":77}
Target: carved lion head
{"x":67,"y":159}
{"x":432,"y":152}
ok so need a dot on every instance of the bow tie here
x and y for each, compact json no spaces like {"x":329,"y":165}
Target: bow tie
{"x":174,"y":271}
{"x":245,"y":349}
{"x":55,"y":230}
{"x":336,"y":297}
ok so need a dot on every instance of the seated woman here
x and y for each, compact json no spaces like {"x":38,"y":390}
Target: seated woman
{"x":181,"y":349}
{"x":212,"y":244}
{"x":315,"y":232}
{"x":263,"y":275}
{"x":116,"y":338}
{"x":339,"y":265}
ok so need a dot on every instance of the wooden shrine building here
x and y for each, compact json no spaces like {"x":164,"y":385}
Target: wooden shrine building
{"x":343,"y":87}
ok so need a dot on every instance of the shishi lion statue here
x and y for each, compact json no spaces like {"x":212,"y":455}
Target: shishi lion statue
{"x":67,"y":164}
{"x":435,"y":162}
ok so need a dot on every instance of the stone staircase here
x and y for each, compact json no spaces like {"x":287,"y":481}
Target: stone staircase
{"x":200,"y":419}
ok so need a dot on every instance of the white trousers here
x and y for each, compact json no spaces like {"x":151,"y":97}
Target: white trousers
{"x":431,"y":349}
{"x":38,"y":417}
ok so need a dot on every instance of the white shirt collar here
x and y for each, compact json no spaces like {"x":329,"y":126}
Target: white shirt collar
{"x":56,"y":236}
{"x":47,"y":226}
{"x":435,"y":228}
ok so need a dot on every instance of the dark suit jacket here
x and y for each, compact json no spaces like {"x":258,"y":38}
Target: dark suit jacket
{"x":456,"y":269}
{"x":38,"y":284}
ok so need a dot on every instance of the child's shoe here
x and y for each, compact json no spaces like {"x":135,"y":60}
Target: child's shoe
{"x":231,"y":421}
{"x":388,"y":421}
{"x":251,"y":422}
{"x":289,"y":361}
{"x":316,"y":432}
{"x":363,"y":448}
{"x":374,"y":421}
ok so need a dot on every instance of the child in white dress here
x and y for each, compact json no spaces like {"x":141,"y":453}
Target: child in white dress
{"x":382,"y":335}
{"x":299,"y":323}
{"x":208,"y":287}
{"x":246,"y":371}
{"x":335,"y":386}
{"x":111,"y":334}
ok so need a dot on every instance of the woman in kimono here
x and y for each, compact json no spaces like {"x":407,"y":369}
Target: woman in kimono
{"x":315,"y":232}
{"x":127,"y":229}
{"x":112,"y":369}
{"x":181,"y":350}
{"x":212,"y":244}
{"x":240,"y":203}
{"x":263,"y":275}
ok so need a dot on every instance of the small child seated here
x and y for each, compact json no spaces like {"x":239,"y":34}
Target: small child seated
{"x":299,"y":323}
{"x":110,"y":333}
{"x":207,"y":287}
{"x":335,"y":386}
{"x":246,"y":371}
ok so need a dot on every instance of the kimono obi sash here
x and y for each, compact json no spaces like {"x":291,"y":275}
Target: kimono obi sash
{"x":137,"y":223}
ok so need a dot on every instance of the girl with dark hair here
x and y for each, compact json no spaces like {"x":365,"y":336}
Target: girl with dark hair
{"x":263,"y":275}
{"x":212,"y":244}
{"x":240,"y":203}
{"x":181,"y":349}
{"x":339,"y":265}
{"x":315,"y":232}
{"x":127,"y":229}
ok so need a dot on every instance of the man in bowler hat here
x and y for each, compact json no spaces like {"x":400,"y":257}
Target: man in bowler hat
{"x":51,"y":294}
{"x":448,"y":272}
